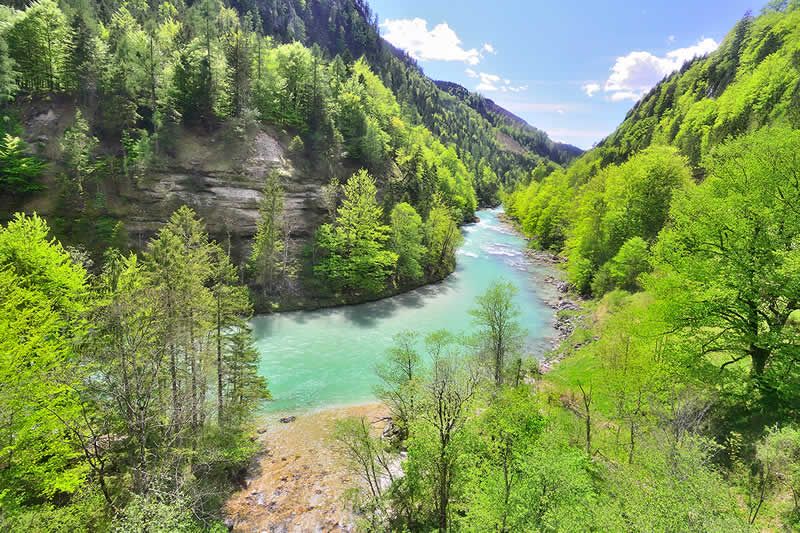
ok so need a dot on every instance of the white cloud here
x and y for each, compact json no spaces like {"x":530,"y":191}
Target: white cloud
{"x":488,"y":82}
{"x":624,"y":95}
{"x":591,"y":88}
{"x":488,"y":48}
{"x":633,"y":75}
{"x":682,"y":55}
{"x":492,"y":82}
{"x":439,"y":44}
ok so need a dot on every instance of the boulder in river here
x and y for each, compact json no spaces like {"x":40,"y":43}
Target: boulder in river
{"x":288,"y":419}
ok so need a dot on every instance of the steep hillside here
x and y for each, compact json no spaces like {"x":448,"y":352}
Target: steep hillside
{"x":115,"y":120}
{"x":349,"y":28}
{"x":589,"y":211}
{"x":750,"y":81}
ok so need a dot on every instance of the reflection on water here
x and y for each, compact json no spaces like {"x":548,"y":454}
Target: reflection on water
{"x":322,"y":358}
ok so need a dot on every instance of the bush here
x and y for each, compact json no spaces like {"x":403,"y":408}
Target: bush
{"x":297,"y":145}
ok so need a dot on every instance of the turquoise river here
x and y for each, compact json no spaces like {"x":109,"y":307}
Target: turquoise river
{"x":326,"y":358}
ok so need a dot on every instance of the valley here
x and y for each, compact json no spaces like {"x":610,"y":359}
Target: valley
{"x":293,"y":266}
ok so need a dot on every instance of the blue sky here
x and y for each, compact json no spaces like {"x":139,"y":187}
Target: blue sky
{"x":572,"y":69}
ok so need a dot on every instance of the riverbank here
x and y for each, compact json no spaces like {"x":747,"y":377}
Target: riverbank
{"x":569,"y":313}
{"x":297,"y":484}
{"x":297,"y":301}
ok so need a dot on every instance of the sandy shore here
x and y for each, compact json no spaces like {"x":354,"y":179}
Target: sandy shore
{"x":299,"y":481}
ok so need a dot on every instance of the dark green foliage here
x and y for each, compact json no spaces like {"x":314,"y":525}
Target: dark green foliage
{"x":8,"y":84}
{"x":19,"y":173}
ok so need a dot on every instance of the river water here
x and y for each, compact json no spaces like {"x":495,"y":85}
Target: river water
{"x":326,"y":358}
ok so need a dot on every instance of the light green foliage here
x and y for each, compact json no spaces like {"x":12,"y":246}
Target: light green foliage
{"x":434,"y":470}
{"x":155,"y":514}
{"x":496,"y":492}
{"x":267,"y":244}
{"x":778,"y":460}
{"x":406,"y":241}
{"x":499,"y":336}
{"x":620,"y":203}
{"x":671,"y":487}
{"x":441,"y":239}
{"x":727,"y":271}
{"x":297,"y":146}
{"x":19,"y":173}
{"x":8,"y":83}
{"x":77,"y":147}
{"x":86,"y":513}
{"x":401,"y":376}
{"x":44,"y":298}
{"x":356,"y":258}
{"x":624,"y":269}
{"x":37,"y":43}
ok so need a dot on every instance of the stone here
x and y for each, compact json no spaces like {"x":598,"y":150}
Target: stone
{"x":288,"y":419}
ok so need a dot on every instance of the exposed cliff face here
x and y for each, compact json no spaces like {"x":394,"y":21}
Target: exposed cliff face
{"x":218,"y":174}
{"x":222,"y":181}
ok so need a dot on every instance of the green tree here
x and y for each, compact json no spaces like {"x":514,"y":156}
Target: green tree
{"x":37,"y":43}
{"x":441,"y":239}
{"x":77,"y":147}
{"x":401,"y":376}
{"x":234,"y":359}
{"x":508,"y":432}
{"x":238,"y":54}
{"x":727,"y":267}
{"x":8,"y":83}
{"x":267,"y":244}
{"x":42,"y":308}
{"x":406,"y":241}
{"x":244,"y":389}
{"x":356,"y":258}
{"x":499,"y":336}
{"x":624,"y":269}
{"x":447,"y":402}
{"x":19,"y":173}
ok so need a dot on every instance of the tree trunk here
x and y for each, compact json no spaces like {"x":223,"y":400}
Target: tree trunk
{"x":219,"y":360}
{"x":587,"y":402}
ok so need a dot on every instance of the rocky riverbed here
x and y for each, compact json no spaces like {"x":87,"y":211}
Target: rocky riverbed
{"x":298,"y":483}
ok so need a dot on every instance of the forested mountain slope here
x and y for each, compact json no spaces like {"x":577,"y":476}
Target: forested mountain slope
{"x":349,"y":28}
{"x":530,"y":138}
{"x":752,"y":81}
{"x":749,"y":82}
{"x":131,"y":111}
{"x":683,"y":226}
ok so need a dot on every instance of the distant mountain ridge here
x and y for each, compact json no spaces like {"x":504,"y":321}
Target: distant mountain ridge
{"x":350,"y":28}
{"x":527,"y":136}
